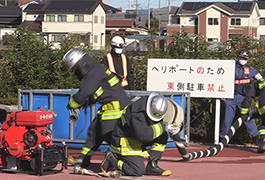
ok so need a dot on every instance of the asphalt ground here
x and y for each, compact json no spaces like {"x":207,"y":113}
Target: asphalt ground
{"x":232,"y":163}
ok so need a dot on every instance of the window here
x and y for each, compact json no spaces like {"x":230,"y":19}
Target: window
{"x":213,"y":21}
{"x":193,"y":21}
{"x":231,"y":36}
{"x":95,"y":19}
{"x":235,"y":21}
{"x":262,"y":38}
{"x":95,"y":39}
{"x":79,"y":18}
{"x":262,"y":21}
{"x":50,"y":18}
{"x":174,"y":20}
{"x":61,"y":18}
{"x":83,"y":38}
{"x":102,"y":19}
{"x":57,"y":37}
{"x":212,"y":39}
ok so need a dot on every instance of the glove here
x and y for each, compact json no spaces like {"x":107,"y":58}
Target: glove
{"x":173,"y":129}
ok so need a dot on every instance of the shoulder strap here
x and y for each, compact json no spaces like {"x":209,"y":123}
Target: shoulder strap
{"x":110,"y":62}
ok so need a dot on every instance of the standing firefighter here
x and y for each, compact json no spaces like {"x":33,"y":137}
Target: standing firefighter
{"x":119,"y":63}
{"x":243,"y":75}
{"x":257,"y":89}
{"x":100,"y":85}
{"x":140,"y":126}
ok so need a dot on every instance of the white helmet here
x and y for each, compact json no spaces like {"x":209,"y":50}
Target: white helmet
{"x":117,"y":41}
{"x":72,"y":57}
{"x":156,"y":107}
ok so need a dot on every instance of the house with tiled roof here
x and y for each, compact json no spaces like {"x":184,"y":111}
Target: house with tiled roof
{"x":10,"y":18}
{"x":125,"y":26}
{"x":215,"y":21}
{"x":57,"y":19}
{"x":128,"y":23}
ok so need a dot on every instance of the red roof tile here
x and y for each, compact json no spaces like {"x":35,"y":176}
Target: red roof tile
{"x":119,"y":22}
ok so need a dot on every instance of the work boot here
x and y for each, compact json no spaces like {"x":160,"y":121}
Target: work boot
{"x":261,"y":148}
{"x":109,"y":162}
{"x":256,"y":140}
{"x":153,"y":169}
{"x":83,"y":161}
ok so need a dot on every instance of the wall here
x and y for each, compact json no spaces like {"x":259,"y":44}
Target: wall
{"x":224,"y":27}
{"x":98,"y":29}
{"x":213,"y":31}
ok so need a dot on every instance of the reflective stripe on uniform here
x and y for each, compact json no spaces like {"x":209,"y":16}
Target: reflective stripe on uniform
{"x":262,"y":132}
{"x":158,"y":147}
{"x":123,"y":120}
{"x":108,"y":72}
{"x":120,"y":164}
{"x":244,"y":110}
{"x":262,"y":110}
{"x":130,"y":147}
{"x":114,"y":80}
{"x":262,"y":84}
{"x":110,"y":115}
{"x":110,"y":111}
{"x":157,"y":130}
{"x":98,"y":92}
{"x":110,"y":62}
{"x":124,"y":82}
{"x":242,"y":81}
{"x":73,"y":104}
{"x":88,"y":152}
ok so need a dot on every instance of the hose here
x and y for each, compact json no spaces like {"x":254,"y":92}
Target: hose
{"x":211,"y":151}
{"x":84,"y":124}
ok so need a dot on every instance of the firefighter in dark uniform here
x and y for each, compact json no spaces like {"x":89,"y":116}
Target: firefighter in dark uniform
{"x":140,"y":126}
{"x":243,"y":75}
{"x":257,"y":89}
{"x":98,"y":84}
{"x":119,"y":63}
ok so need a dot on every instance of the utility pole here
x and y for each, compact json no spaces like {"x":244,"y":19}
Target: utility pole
{"x":130,"y":5}
{"x":169,"y":6}
{"x":5,"y":2}
{"x":149,"y":14}
{"x":136,"y":7}
{"x":159,"y":4}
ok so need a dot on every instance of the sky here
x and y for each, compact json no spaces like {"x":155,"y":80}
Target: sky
{"x":143,"y":4}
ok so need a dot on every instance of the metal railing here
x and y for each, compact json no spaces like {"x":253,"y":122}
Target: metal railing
{"x":50,"y":93}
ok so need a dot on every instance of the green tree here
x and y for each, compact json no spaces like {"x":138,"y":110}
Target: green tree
{"x":26,"y":64}
{"x":9,"y":2}
{"x":31,"y":63}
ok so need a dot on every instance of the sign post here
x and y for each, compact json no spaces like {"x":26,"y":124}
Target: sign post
{"x":202,"y":78}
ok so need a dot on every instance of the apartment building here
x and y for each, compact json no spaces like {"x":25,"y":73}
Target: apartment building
{"x":57,"y":19}
{"x":261,"y":29}
{"x":215,"y":21}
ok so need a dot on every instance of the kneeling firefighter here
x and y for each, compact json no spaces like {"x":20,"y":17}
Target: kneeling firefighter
{"x":257,"y":89}
{"x":98,"y":84}
{"x":140,"y":126}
